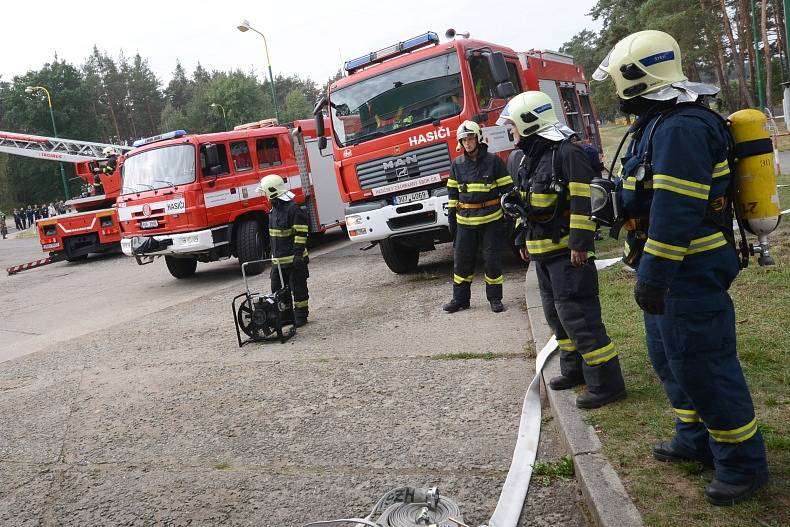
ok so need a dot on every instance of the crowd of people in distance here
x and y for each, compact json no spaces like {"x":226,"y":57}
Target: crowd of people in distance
{"x":26,"y":217}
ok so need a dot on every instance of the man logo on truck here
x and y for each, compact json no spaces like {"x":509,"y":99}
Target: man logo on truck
{"x":400,"y":162}
{"x":429,"y":137}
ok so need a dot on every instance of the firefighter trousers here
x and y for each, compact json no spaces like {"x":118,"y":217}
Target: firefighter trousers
{"x":297,"y":280}
{"x":489,"y":239}
{"x":573,"y":311}
{"x":692,"y":348}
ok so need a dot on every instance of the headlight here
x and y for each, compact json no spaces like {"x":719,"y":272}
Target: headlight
{"x":353,"y":221}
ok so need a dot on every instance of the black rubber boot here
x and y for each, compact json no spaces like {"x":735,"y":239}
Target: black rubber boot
{"x":726,"y":494}
{"x":497,"y":306}
{"x":664,"y":451}
{"x":561,"y":382}
{"x":455,"y":305}
{"x":604,"y":384}
{"x":300,"y":317}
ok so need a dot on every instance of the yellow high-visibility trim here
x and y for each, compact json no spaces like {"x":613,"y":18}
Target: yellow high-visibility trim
{"x":451,"y":183}
{"x":300,"y":240}
{"x":737,"y":435}
{"x":582,"y":221}
{"x":283,"y":260}
{"x":523,"y":194}
{"x":281,"y":233}
{"x":707,"y":243}
{"x":301,"y":303}
{"x":481,"y":187}
{"x":665,"y":250}
{"x":566,"y":345}
{"x":721,"y":169}
{"x":600,"y":355}
{"x":687,"y":416}
{"x":542,"y":200}
{"x":681,"y":186}
{"x":629,"y":183}
{"x":494,"y":281}
{"x":579,"y":189}
{"x":451,"y":203}
{"x":298,"y":227}
{"x":504,"y":180}
{"x":545,"y":246}
{"x":461,"y":279}
{"x":479,"y":220}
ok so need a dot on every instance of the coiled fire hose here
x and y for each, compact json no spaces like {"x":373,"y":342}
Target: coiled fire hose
{"x":414,"y":507}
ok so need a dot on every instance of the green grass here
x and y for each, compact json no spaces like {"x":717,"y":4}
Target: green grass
{"x":669,"y":495}
{"x":222,"y":466}
{"x":543,"y":472}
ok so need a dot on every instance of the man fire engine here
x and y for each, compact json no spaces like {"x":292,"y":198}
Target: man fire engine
{"x":393,"y":120}
{"x":194,"y":198}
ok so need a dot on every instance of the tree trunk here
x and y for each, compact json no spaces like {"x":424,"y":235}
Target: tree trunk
{"x":714,"y":36}
{"x":766,"y":54}
{"x":745,"y":37}
{"x":746,"y":96}
{"x":781,"y":43}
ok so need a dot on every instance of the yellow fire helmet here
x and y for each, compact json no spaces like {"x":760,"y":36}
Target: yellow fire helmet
{"x":642,"y":63}
{"x":530,"y":112}
{"x":273,"y":187}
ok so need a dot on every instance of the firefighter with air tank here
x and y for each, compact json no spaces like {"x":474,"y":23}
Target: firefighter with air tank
{"x":554,"y":195}
{"x":677,"y":194}
{"x":288,"y":229}
{"x":477,"y":181}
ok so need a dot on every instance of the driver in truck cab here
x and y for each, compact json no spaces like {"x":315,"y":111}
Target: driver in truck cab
{"x":477,"y":181}
{"x":288,"y":230}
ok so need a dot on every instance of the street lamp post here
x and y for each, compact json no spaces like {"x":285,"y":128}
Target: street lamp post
{"x":244,"y":27}
{"x":224,"y":120}
{"x":32,"y":89}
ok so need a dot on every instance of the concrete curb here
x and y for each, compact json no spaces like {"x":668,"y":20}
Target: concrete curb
{"x":606,"y":498}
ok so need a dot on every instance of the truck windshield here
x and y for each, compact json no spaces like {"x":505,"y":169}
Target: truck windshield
{"x":421,"y":92}
{"x":159,"y":168}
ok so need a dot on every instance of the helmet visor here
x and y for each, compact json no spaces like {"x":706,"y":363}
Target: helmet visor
{"x":504,"y":117}
{"x":602,"y":72}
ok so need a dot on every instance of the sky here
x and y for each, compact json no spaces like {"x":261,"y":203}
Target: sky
{"x":308,"y":38}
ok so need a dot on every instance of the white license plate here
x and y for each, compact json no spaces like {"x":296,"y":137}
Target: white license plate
{"x":149,"y":224}
{"x":413,"y":196}
{"x":50,"y":245}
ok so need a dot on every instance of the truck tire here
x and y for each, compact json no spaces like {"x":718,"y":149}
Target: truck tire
{"x":181,"y":267}
{"x":398,"y":257}
{"x":251,"y":244}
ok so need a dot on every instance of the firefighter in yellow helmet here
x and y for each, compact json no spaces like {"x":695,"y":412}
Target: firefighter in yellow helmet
{"x":558,"y":238}
{"x":676,"y":195}
{"x":288,"y":229}
{"x":477,"y":181}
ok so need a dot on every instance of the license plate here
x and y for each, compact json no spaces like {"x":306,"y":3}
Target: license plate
{"x":50,"y":245}
{"x":413,"y":196}
{"x":149,"y":224}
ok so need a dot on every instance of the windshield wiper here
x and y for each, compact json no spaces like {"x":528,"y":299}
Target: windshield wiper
{"x":169,"y":183}
{"x":371,"y":135}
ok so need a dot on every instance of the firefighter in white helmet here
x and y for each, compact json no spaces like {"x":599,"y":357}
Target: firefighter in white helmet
{"x":106,"y":167}
{"x":288,"y":229}
{"x":677,"y":200}
{"x":554,"y":181}
{"x":477,"y":181}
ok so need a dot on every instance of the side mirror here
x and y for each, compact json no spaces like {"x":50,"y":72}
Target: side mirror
{"x":505,"y":90}
{"x":498,"y":67}
{"x":321,"y":142}
{"x":320,"y":130}
{"x":319,"y":105}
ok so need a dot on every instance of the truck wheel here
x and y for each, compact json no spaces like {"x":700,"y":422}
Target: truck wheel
{"x":398,"y":257}
{"x":251,"y":245}
{"x":181,"y":267}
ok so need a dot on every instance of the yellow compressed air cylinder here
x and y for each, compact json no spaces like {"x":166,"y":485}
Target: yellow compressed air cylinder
{"x":757,"y":195}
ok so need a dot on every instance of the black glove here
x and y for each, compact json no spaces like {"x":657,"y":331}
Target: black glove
{"x":453,"y":226}
{"x":650,"y":298}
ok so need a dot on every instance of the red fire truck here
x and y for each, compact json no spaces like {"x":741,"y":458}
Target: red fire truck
{"x":194,"y":198}
{"x":393,"y":122}
{"x":93,"y":226}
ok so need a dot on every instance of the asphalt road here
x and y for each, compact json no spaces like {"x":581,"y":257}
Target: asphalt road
{"x":126,"y":401}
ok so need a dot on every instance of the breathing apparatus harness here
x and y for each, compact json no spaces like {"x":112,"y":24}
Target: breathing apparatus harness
{"x":557,"y":184}
{"x":719,"y":212}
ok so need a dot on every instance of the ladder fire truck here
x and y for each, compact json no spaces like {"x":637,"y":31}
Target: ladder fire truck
{"x":393,"y":123}
{"x":93,"y":227}
{"x":194,"y":198}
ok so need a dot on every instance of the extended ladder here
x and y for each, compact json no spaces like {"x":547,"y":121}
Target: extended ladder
{"x":54,"y":148}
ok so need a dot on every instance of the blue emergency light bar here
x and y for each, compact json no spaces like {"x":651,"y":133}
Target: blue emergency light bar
{"x":160,"y":137}
{"x":396,"y":49}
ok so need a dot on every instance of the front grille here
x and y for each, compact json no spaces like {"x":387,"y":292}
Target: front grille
{"x":433,"y":159}
{"x":412,"y":220}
